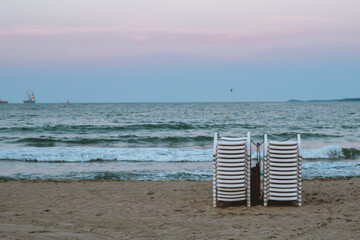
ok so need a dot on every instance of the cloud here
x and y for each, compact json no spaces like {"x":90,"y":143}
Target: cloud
{"x":56,"y":44}
{"x":51,"y":30}
{"x":190,"y":38}
{"x":175,"y":36}
{"x":181,"y":37}
{"x":277,"y":19}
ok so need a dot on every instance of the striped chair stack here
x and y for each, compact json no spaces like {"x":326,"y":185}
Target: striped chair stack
{"x":231,"y":169}
{"x":282,"y":171}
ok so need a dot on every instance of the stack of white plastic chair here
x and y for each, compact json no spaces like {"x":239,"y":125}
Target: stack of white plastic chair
{"x":231,"y":169}
{"x":282,"y":171}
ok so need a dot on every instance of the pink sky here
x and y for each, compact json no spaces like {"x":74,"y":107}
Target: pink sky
{"x":44,"y":31}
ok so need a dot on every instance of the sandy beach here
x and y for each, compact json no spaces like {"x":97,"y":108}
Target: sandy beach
{"x":170,"y":210}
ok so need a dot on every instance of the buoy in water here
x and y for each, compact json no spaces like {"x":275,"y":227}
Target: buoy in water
{"x":227,"y":116}
{"x":67,"y":101}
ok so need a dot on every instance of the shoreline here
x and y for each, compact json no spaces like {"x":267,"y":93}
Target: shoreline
{"x":100,"y":209}
{"x":149,"y":180}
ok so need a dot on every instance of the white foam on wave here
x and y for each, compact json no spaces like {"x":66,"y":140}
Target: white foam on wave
{"x":322,"y":162}
{"x":119,"y":154}
{"x":328,"y":152}
{"x":68,"y":154}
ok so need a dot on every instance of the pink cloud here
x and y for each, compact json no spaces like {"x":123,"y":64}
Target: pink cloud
{"x":47,"y":43}
{"x":240,"y":38}
{"x":173,"y":38}
{"x":50,"y":30}
{"x":167,"y":37}
{"x":139,"y":38}
{"x":300,"y":19}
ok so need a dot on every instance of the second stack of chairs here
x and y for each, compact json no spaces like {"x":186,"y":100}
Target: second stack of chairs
{"x":282,"y":171}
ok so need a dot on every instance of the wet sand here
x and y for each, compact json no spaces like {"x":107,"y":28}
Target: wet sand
{"x":171,"y":210}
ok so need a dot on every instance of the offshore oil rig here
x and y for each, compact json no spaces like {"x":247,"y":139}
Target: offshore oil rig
{"x":31,"y":97}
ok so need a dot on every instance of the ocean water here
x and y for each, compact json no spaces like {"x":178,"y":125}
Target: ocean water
{"x":168,"y":141}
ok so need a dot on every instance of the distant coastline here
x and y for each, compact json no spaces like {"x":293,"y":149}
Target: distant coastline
{"x":329,"y":100}
{"x":288,"y":101}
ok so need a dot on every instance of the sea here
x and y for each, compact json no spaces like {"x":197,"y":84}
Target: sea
{"x":168,"y":141}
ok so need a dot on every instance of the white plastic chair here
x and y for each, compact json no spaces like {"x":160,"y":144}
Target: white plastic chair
{"x":231,"y":169}
{"x":282,"y":171}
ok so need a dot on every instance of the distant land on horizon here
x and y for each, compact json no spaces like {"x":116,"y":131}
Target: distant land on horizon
{"x":291,"y":100}
{"x":329,"y":100}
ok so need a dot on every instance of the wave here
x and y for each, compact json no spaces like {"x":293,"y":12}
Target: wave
{"x":304,"y":136}
{"x":130,"y":139}
{"x":330,"y":169}
{"x":351,"y":153}
{"x":80,"y":154}
{"x":172,"y":125}
{"x":331,"y":153}
{"x":311,"y":169}
{"x":67,"y":154}
{"x":106,"y":128}
{"x":328,"y":152}
{"x":113,"y":176}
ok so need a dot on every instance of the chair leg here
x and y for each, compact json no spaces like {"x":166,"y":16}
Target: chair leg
{"x":299,"y":182}
{"x":214,"y":195}
{"x":299,"y":193}
{"x":299,"y":202}
{"x":214,"y":183}
{"x":265,"y":195}
{"x":265,"y":182}
{"x":248,"y":171}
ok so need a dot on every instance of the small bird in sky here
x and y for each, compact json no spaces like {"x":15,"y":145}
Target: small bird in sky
{"x":231,"y":90}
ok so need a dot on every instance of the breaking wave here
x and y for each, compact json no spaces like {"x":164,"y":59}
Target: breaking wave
{"x":123,"y":175}
{"x":67,"y":154}
{"x":130,"y":139}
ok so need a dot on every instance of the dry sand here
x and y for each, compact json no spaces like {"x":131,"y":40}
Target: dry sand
{"x":171,"y":210}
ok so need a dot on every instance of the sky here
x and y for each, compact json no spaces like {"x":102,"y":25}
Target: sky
{"x":179,"y":51}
